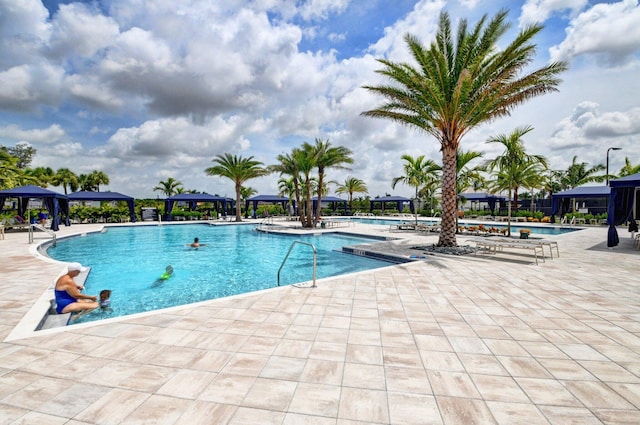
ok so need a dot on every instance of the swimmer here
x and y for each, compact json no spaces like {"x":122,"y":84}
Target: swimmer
{"x":105,"y":301}
{"x":196,"y":243}
{"x":168,"y":272}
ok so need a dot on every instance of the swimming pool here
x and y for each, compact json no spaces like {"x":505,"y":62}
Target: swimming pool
{"x":236,"y":259}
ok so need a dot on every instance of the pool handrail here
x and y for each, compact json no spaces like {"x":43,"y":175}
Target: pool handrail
{"x":314,"y":260}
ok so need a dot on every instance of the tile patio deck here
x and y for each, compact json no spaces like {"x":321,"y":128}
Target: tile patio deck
{"x":445,"y":340}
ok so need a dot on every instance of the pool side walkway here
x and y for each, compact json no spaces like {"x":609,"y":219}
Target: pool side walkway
{"x":444,"y":340}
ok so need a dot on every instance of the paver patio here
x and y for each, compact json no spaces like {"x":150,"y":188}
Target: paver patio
{"x":444,"y":340}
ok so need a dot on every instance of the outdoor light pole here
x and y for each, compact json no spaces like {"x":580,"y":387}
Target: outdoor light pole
{"x":610,"y":149}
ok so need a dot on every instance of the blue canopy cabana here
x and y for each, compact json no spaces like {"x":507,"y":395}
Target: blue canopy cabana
{"x":399,"y":200}
{"x":561,"y":199}
{"x":622,"y":199}
{"x":331,"y":200}
{"x":193,"y":198}
{"x":105,"y":196}
{"x":56,"y":203}
{"x":484,"y":197}
{"x":266,"y":198}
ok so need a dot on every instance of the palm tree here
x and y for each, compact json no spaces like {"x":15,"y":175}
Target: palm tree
{"x":97,"y":178}
{"x":169,"y":187}
{"x":460,"y":84}
{"x":288,"y":166}
{"x":239,"y":170}
{"x":42,"y":175}
{"x":305,"y":162}
{"x":10,"y":173}
{"x":416,"y":172}
{"x":327,"y":157}
{"x":352,"y":185}
{"x":628,"y":169}
{"x":578,"y":174}
{"x":516,"y":168}
{"x":66,"y":178}
{"x":466,"y":176}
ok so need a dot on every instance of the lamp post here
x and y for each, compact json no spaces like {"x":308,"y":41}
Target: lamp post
{"x":610,"y":149}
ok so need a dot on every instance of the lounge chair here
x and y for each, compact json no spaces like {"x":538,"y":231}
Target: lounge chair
{"x":17,"y":222}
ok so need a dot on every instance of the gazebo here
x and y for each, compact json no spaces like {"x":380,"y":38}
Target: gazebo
{"x":623,"y":202}
{"x":272,"y":199}
{"x":56,"y":203}
{"x":399,"y":201}
{"x":193,"y":198}
{"x":484,"y":197}
{"x":561,"y":200}
{"x":334,"y":201}
{"x":105,"y":196}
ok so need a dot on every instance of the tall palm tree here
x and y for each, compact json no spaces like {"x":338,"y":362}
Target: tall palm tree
{"x":327,"y":156}
{"x":352,"y":185}
{"x":467,"y":176}
{"x":66,"y":178}
{"x":97,"y":178}
{"x":515,"y":167}
{"x":169,"y":187}
{"x":578,"y":174}
{"x":416,"y":172}
{"x":628,"y":169}
{"x":42,"y":175}
{"x":460,"y":83}
{"x":288,"y":165}
{"x":239,"y":170}
{"x":10,"y":173}
{"x":306,"y":161}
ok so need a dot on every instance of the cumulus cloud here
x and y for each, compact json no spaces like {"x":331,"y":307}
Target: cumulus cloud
{"x":608,"y":31}
{"x":52,"y":134}
{"x":537,"y":11}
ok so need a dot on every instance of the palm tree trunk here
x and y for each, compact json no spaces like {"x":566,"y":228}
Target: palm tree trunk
{"x":238,"y":206}
{"x":449,"y":198}
{"x":509,"y":214}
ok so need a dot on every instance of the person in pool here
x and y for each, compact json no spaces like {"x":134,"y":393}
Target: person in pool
{"x":168,"y":272}
{"x":69,"y":299}
{"x":196,"y":243}
{"x":105,"y":299}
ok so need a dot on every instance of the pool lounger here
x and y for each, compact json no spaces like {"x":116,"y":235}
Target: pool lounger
{"x":493,"y":246}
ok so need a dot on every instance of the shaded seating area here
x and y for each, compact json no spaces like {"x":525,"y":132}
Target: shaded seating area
{"x":84,"y":196}
{"x":562,"y":200}
{"x":399,"y":202}
{"x":270,"y":199}
{"x":624,"y":206}
{"x":221,"y":204}
{"x":484,"y":198}
{"x":332,"y":201}
{"x":56,"y":204}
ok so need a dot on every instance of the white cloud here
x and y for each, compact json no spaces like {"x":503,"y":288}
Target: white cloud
{"x":609,"y":31}
{"x":54,"y":133}
{"x":538,"y":11}
{"x":321,"y":9}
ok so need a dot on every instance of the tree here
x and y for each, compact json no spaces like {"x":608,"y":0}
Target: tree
{"x":23,"y":152}
{"x":628,"y":169}
{"x":459,"y":84}
{"x":577,"y":174}
{"x":416,"y":173}
{"x":467,"y":176}
{"x":327,"y":156}
{"x":352,"y":185}
{"x":97,"y":178}
{"x":169,"y":187}
{"x":287,"y":165}
{"x":66,"y":178}
{"x":41,"y":175}
{"x":306,"y":161}
{"x":239,"y":170}
{"x":515,"y":167}
{"x":10,"y":173}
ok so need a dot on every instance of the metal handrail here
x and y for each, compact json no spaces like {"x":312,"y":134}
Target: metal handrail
{"x":42,"y":228}
{"x":314,"y":260}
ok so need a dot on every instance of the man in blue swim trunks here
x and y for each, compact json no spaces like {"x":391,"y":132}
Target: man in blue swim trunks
{"x":69,"y":299}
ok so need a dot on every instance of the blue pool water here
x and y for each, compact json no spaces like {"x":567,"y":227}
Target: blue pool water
{"x":550,"y":230}
{"x":235,"y":260}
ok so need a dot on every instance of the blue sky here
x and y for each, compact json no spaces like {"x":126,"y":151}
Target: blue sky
{"x":149,"y":90}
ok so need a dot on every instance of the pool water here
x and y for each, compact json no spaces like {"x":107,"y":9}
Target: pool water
{"x":236,"y":259}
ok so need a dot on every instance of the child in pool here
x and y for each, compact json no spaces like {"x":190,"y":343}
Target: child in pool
{"x":105,"y":301}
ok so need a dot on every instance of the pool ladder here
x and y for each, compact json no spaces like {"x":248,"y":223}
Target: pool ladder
{"x":314,"y":260}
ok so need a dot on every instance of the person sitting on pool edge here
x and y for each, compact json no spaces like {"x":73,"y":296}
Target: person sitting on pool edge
{"x":69,"y":299}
